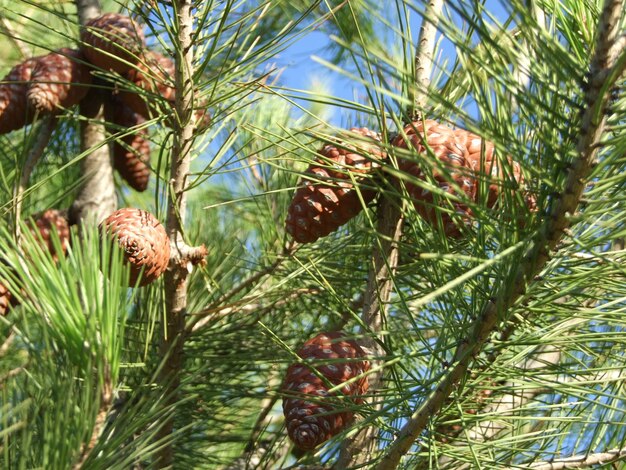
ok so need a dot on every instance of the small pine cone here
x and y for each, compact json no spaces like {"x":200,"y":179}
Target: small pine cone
{"x":309,"y":423}
{"x":481,"y":155}
{"x":59,"y":80}
{"x":319,"y":208}
{"x":112,"y":42}
{"x":45,"y":222}
{"x":15,"y":112}
{"x":144,"y":241}
{"x":155,"y":74}
{"x":6,"y":299}
{"x":131,"y":153}
{"x":452,"y":166}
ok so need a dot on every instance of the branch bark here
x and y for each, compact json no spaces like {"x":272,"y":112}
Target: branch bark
{"x":603,"y":72}
{"x":582,"y":461}
{"x":357,"y":450}
{"x":96,"y":198}
{"x":178,"y":273}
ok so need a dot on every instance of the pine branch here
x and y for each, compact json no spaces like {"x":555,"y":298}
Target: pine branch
{"x":101,"y":419}
{"x":603,"y":72}
{"x":358,"y":449}
{"x":581,"y":461}
{"x":34,"y":154}
{"x":96,"y":198}
{"x":182,"y":255}
{"x":9,"y":31}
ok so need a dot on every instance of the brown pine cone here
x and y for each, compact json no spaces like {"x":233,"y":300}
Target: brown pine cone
{"x":45,"y":222}
{"x":15,"y":112}
{"x":319,"y":208}
{"x":112,"y":42}
{"x":6,"y":300}
{"x":155,"y":75}
{"x":144,"y":241}
{"x":311,"y":417}
{"x":446,"y":158}
{"x":59,"y":80}
{"x":131,"y":153}
{"x":483,"y":162}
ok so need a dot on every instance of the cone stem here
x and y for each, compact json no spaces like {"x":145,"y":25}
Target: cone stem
{"x":177,"y":275}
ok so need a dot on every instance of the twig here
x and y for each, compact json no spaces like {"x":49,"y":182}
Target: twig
{"x":580,"y":461}
{"x":603,"y":74}
{"x":206,"y":316}
{"x":7,"y":28}
{"x":36,"y":151}
{"x":177,"y":275}
{"x":424,"y":56}
{"x":358,"y":449}
{"x":96,"y":198}
{"x":101,"y":419}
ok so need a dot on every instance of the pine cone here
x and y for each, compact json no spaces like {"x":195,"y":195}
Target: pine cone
{"x":45,"y":222}
{"x":144,"y":241}
{"x":483,"y":162}
{"x":6,"y":300}
{"x":311,"y":418}
{"x":15,"y":112}
{"x":59,"y":80}
{"x":319,"y":208}
{"x":131,"y":153}
{"x":112,"y":42}
{"x":155,"y":74}
{"x":449,"y":165}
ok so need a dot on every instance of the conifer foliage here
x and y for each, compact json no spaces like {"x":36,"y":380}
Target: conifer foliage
{"x":415,"y":264}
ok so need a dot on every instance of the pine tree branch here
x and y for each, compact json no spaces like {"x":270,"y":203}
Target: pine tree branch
{"x":96,"y":197}
{"x":581,"y":461}
{"x":34,"y":154}
{"x":603,"y":73}
{"x":101,"y":419}
{"x":358,"y":449}
{"x":9,"y":31}
{"x":177,"y":275}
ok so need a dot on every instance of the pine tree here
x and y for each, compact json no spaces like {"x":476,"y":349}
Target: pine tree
{"x":469,"y":298}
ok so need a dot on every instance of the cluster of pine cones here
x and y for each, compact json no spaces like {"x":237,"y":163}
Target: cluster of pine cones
{"x":462,"y":166}
{"x":465,"y":173}
{"x":48,"y":84}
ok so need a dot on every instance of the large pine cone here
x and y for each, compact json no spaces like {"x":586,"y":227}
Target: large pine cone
{"x":144,"y":241}
{"x":15,"y":112}
{"x":483,"y":162}
{"x":444,"y":156}
{"x":52,"y":220}
{"x":319,"y":208}
{"x":155,"y":75}
{"x":131,"y":153}
{"x":311,"y":417}
{"x":59,"y":80}
{"x":112,"y":42}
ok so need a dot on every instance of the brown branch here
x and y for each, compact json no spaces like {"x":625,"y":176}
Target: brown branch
{"x":9,"y":31}
{"x":101,"y":418}
{"x":96,"y":197}
{"x":34,"y":154}
{"x":603,"y":75}
{"x":581,"y":461}
{"x":177,"y":275}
